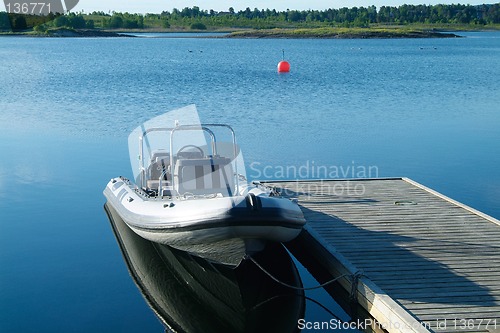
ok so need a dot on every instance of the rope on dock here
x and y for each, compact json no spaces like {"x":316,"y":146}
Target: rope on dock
{"x":354,"y":278}
{"x":353,"y":295}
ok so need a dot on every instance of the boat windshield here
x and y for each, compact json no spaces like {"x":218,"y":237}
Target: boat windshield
{"x":174,"y":155}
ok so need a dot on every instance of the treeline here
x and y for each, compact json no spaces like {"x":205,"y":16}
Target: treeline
{"x":404,"y":14}
{"x":20,"y":22}
{"x":270,"y":18}
{"x":196,"y":18}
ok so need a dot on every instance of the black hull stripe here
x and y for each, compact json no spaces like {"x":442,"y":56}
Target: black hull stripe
{"x":213,"y":224}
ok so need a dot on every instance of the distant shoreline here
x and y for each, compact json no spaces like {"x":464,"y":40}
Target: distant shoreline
{"x":64,"y":32}
{"x":318,"y":33}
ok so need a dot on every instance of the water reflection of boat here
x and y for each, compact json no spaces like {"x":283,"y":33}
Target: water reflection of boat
{"x":189,"y":192}
{"x":190,"y":294}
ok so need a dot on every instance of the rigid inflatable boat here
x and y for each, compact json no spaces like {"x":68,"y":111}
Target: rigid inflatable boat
{"x":188,"y":194}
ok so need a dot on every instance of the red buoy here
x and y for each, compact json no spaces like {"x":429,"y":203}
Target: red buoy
{"x":283,"y":66}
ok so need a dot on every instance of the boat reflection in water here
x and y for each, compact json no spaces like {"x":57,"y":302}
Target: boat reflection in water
{"x":190,"y":294}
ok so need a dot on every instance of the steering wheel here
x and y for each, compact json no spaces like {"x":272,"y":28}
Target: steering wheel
{"x":191,"y":146}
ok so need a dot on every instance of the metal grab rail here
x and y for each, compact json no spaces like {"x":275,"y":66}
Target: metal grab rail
{"x":160,"y":185}
{"x":142,"y":169}
{"x":172,"y":130}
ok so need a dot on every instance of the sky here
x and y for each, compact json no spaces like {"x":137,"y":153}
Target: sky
{"x":157,"y":6}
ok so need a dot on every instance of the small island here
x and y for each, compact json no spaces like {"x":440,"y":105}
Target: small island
{"x":342,"y":33}
{"x":69,"y":32}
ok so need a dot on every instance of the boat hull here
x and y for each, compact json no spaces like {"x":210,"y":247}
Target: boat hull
{"x":189,"y":294}
{"x":241,"y":223}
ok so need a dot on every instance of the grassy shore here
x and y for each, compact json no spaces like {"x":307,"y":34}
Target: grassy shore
{"x":362,"y":33}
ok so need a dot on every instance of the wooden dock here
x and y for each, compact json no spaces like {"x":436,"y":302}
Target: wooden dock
{"x":416,"y":260}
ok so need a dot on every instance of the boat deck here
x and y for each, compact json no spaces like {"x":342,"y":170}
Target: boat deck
{"x":428,"y":263}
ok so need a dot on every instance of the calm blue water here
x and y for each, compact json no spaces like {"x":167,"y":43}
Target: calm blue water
{"x":428,"y":109}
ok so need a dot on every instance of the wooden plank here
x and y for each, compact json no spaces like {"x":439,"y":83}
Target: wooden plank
{"x":434,"y":255}
{"x":382,"y":307}
{"x":493,"y":283}
{"x":456,"y":203}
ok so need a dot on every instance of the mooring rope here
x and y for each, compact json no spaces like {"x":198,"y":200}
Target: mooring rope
{"x":307,"y":298}
{"x":354,"y":277}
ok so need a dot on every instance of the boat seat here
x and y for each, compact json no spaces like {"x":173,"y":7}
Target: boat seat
{"x":190,"y":155}
{"x":158,"y":166}
{"x":158,"y":154}
{"x":209,"y":175}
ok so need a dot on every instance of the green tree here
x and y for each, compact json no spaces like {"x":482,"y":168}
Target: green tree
{"x":61,"y":21}
{"x":76,"y":21}
{"x":116,"y":22}
{"x":19,"y":23}
{"x":130,"y":24}
{"x":494,"y":14}
{"x":198,"y":26}
{"x":372,"y":14}
{"x":90,"y":24}
{"x":4,"y":21}
{"x":40,"y":28}
{"x":294,"y":16}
